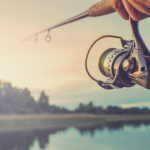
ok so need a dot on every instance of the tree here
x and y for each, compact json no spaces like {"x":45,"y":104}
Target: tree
{"x":44,"y":102}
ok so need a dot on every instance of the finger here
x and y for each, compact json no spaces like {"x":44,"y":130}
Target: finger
{"x":144,"y":2}
{"x":119,"y":7}
{"x":140,"y":6}
{"x":134,"y":13}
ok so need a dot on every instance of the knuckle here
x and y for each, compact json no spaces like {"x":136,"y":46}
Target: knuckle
{"x":116,"y":4}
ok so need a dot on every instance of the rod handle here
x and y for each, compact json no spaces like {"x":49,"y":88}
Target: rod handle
{"x":101,"y":8}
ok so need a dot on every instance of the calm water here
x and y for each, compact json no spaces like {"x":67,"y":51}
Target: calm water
{"x":112,"y":136}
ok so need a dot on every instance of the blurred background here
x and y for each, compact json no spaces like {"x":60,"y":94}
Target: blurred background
{"x":40,"y":80}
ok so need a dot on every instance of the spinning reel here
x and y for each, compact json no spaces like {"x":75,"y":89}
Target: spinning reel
{"x":124,"y":67}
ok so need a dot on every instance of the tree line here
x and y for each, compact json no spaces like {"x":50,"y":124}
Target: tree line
{"x":14,"y":100}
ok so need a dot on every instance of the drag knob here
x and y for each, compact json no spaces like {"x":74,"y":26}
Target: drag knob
{"x":129,"y":65}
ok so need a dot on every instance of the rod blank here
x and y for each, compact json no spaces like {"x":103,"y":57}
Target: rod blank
{"x":101,"y":8}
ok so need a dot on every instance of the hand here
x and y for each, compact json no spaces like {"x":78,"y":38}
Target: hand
{"x":136,"y":9}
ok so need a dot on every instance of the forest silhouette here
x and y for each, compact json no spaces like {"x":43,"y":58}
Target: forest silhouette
{"x":14,"y":100}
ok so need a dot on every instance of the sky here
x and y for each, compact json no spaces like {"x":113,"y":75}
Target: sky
{"x":58,"y":67}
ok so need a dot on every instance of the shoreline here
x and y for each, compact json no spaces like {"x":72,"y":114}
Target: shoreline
{"x":45,"y":121}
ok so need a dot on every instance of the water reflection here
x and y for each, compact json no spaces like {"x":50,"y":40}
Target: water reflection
{"x":112,"y":126}
{"x":23,"y":140}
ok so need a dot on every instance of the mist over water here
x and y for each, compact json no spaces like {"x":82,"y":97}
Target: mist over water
{"x":111,"y":136}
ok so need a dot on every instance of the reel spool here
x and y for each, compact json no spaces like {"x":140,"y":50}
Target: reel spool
{"x":124,"y":67}
{"x":107,"y":61}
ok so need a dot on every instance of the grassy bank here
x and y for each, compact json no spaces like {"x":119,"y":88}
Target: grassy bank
{"x":30,"y":122}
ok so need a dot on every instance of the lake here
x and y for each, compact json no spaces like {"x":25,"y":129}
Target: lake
{"x":111,"y":136}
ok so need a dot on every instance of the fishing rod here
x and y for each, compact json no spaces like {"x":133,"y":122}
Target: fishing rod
{"x":99,"y":9}
{"x":124,"y":67}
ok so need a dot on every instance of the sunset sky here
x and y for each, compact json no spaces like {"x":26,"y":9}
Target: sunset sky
{"x":58,"y":67}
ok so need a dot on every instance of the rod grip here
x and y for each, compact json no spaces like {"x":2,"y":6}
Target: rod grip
{"x":101,"y":8}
